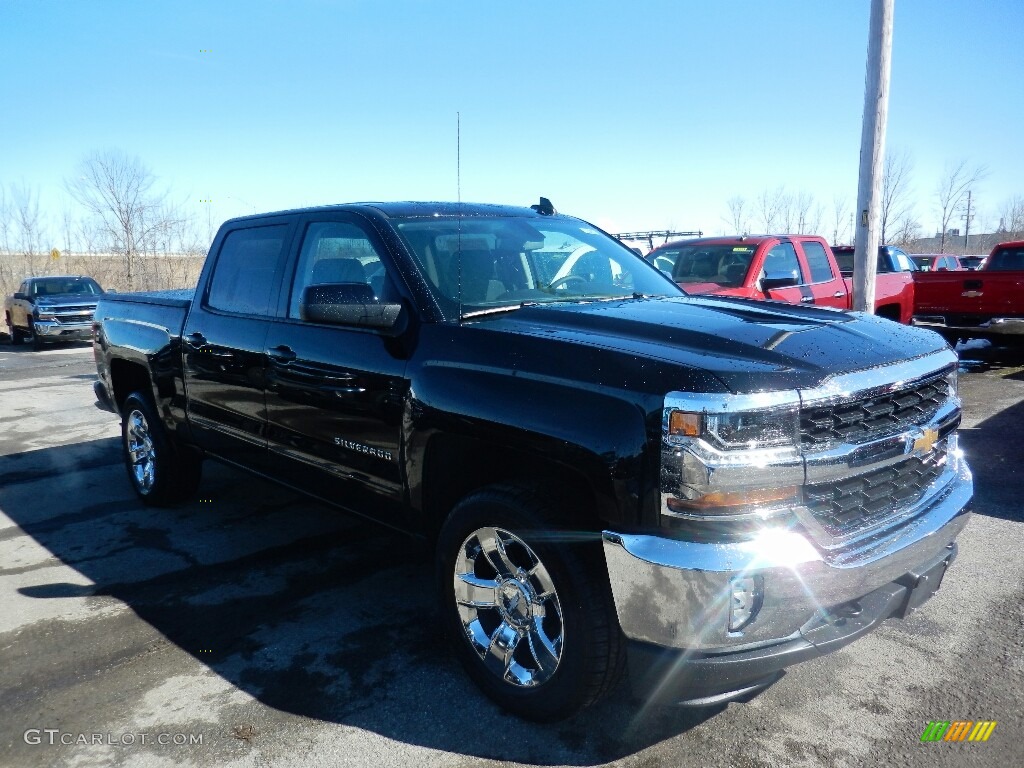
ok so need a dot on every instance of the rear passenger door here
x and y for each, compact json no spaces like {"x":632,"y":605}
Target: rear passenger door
{"x":335,"y":393}
{"x":827,"y":288}
{"x":224,"y":338}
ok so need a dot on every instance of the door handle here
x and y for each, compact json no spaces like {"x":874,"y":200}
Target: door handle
{"x":281,"y":354}
{"x":196,"y":340}
{"x":838,"y":295}
{"x":806,"y":299}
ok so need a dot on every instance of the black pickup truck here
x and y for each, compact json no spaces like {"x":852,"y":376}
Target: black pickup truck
{"x":712,"y":487}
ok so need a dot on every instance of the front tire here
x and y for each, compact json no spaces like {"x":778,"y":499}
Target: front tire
{"x":17,"y":335}
{"x":161,"y":473}
{"x":529,"y":611}
{"x":37,"y":341}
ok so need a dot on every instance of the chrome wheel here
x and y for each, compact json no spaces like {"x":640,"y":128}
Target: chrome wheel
{"x":141,"y":454}
{"x":508,"y":607}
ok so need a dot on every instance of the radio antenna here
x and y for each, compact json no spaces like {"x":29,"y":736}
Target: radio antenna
{"x":458,"y":201}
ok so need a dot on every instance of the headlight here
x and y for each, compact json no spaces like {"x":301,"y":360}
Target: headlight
{"x":738,"y":431}
{"x":731,"y":455}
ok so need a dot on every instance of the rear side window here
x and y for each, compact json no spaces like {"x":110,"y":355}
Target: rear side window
{"x":782,"y":259}
{"x":903,"y":262}
{"x":817,"y":260}
{"x":246,"y":271}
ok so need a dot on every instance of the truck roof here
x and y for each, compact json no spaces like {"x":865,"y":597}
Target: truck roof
{"x":411,"y":209}
{"x":724,"y":239}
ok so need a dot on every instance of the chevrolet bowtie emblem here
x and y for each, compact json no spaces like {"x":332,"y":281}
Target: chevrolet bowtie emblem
{"x":925,"y":442}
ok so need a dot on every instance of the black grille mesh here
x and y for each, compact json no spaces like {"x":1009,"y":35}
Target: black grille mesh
{"x":846,"y":505}
{"x":869,"y":418}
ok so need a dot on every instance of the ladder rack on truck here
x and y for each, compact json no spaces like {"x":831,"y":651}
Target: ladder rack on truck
{"x":649,"y":235}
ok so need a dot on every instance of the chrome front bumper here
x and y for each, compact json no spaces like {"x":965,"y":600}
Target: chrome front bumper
{"x":677,"y":594}
{"x":53,"y":330}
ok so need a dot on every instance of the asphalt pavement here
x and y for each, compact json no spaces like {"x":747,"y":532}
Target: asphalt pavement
{"x":252,"y":627}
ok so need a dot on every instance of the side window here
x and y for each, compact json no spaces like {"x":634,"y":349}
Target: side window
{"x":245,"y":274}
{"x":782,"y":258}
{"x":339,"y":252}
{"x":817,"y":260}
{"x":903,"y":262}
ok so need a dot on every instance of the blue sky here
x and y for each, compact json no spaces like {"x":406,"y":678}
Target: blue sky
{"x":633,"y":115}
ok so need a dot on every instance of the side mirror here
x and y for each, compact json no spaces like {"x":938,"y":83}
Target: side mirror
{"x":773,"y":280}
{"x":347,"y":304}
{"x":20,"y":296}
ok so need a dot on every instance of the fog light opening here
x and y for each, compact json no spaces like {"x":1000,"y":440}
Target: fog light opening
{"x":746,"y":593}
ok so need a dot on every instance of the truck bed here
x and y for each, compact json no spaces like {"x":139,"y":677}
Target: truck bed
{"x":178,"y":297}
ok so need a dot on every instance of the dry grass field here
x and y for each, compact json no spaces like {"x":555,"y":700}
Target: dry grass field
{"x":152,"y":272}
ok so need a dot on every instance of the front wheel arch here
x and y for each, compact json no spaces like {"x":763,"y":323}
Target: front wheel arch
{"x":591,"y":658}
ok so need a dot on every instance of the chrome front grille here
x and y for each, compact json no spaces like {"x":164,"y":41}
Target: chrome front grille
{"x":868,"y":418}
{"x":844,"y":506}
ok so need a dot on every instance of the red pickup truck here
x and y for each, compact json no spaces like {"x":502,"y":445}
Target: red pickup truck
{"x":987,"y":303}
{"x":799,"y":269}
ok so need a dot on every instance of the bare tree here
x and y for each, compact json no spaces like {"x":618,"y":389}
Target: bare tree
{"x":67,"y":223}
{"x":771,"y":205}
{"x":803,"y":214}
{"x":953,"y":185}
{"x":1011,"y":216}
{"x":897,"y":204}
{"x":840,"y":219}
{"x":739,"y":216}
{"x":28,"y":225}
{"x":117,"y":190}
{"x":6,"y":219}
{"x":905,"y":231}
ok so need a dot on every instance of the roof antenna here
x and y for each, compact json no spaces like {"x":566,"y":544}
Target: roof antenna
{"x":458,"y":200}
{"x":544,"y":207}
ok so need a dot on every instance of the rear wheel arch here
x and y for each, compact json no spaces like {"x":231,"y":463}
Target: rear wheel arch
{"x":889,"y":312}
{"x":128,"y":377}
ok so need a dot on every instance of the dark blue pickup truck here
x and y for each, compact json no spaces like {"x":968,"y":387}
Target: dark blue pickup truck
{"x":713,"y":487}
{"x":52,"y":308}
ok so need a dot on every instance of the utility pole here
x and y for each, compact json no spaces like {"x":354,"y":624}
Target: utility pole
{"x":872,"y":153}
{"x":967,"y":222}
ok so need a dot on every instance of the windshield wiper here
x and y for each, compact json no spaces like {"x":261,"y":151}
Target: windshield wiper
{"x":498,"y":310}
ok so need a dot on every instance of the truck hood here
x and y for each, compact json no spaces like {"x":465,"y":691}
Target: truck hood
{"x":67,"y":300}
{"x":747,"y":345}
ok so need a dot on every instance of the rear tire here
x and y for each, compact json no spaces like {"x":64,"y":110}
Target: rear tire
{"x":160,"y":472}
{"x":528,"y":609}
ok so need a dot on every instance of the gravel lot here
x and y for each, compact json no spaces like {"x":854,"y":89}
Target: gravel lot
{"x":277,"y":632}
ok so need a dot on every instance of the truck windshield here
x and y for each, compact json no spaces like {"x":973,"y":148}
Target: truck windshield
{"x":482,"y":263}
{"x":56,"y":286}
{"x":725,"y":265}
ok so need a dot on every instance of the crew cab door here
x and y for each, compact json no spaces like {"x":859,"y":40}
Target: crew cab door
{"x":826,"y":285}
{"x":335,"y":393}
{"x":782,"y":259}
{"x":20,"y":309}
{"x":224,"y":338}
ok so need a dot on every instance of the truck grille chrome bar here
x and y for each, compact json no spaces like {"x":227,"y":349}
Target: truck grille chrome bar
{"x":843,"y":507}
{"x":863,"y":419}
